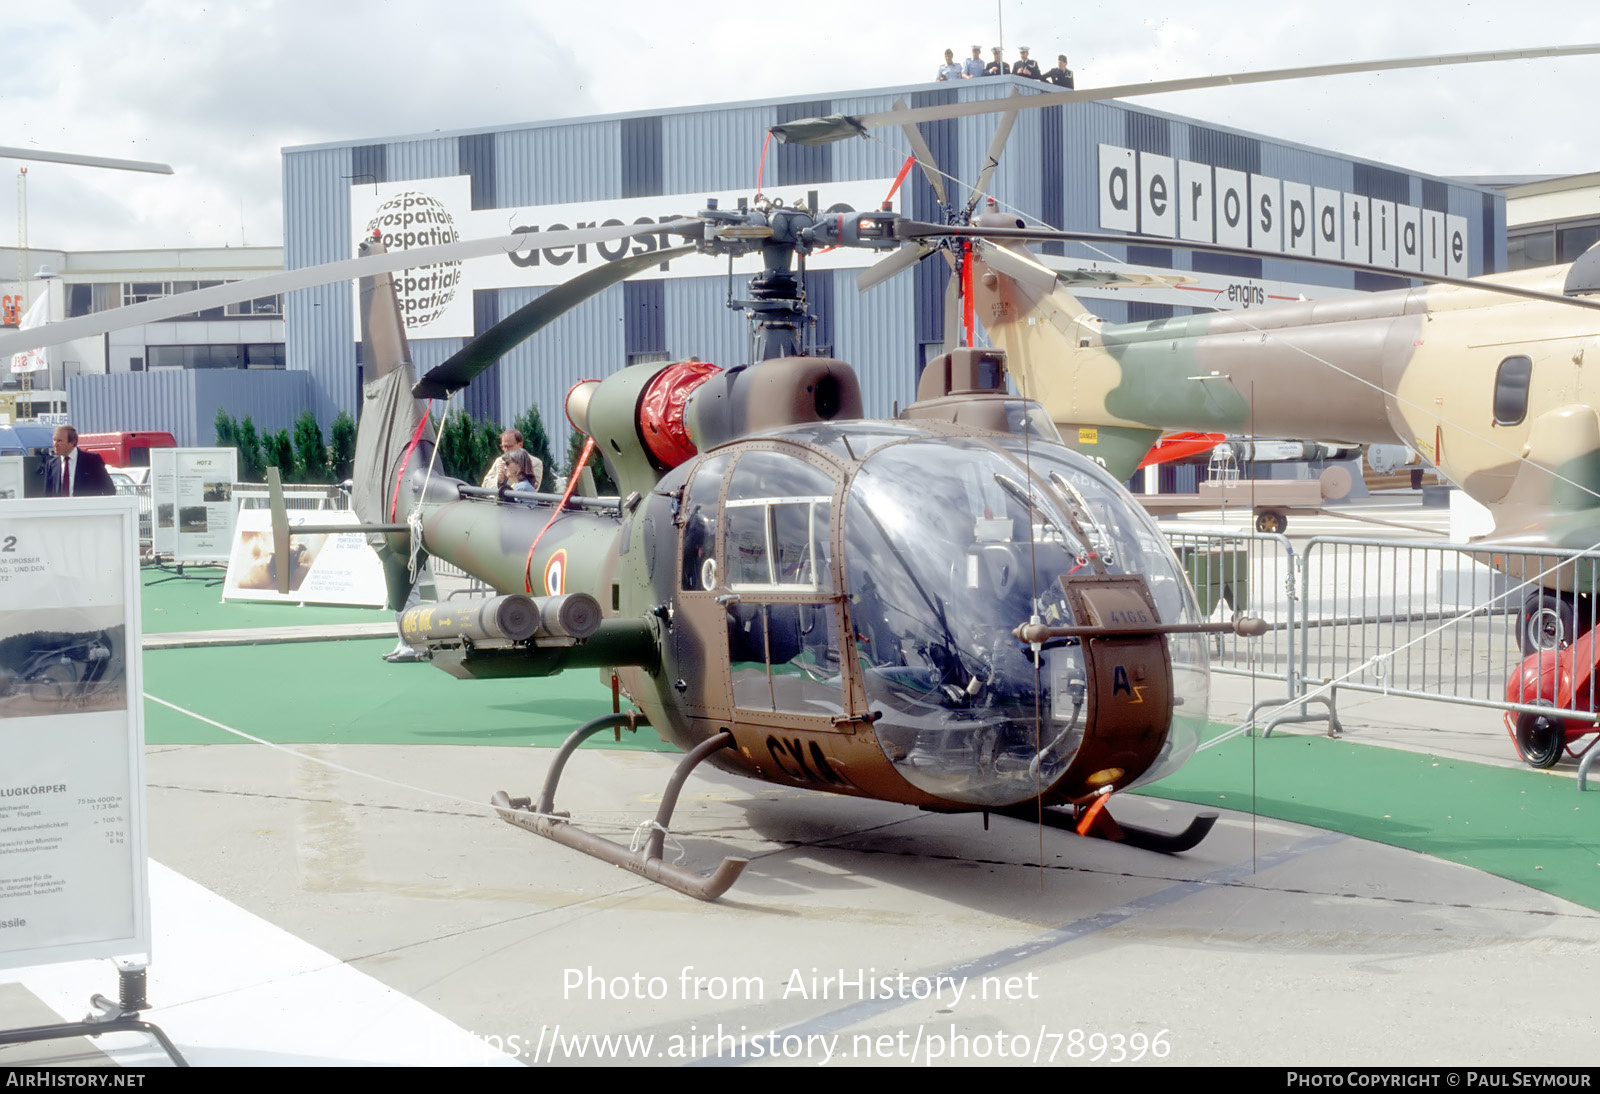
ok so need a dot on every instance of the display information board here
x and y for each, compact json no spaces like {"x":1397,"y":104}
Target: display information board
{"x":323,"y":569}
{"x":203,"y":501}
{"x":10,"y":478}
{"x":163,"y":500}
{"x":72,"y":812}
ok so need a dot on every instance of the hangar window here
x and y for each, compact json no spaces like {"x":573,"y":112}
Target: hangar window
{"x":1511,"y":390}
{"x":262,"y":305}
{"x":261,"y":355}
{"x":1530,"y":249}
{"x":1574,"y":241}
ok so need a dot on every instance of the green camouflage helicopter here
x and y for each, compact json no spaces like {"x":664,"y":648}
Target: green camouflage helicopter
{"x":949,"y":609}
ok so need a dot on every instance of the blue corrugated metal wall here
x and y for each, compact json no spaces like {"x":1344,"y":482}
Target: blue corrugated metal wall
{"x":1049,"y":173}
{"x":320,"y":328}
{"x":185,"y":402}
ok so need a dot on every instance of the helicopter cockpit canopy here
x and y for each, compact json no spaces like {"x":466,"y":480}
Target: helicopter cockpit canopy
{"x":950,"y":544}
{"x":874,"y":572}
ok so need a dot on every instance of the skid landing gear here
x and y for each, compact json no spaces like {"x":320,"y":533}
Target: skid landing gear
{"x":542,"y":819}
{"x":1095,"y":820}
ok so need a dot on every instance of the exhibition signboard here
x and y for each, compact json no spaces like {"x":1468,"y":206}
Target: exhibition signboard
{"x":436,"y":301}
{"x":324,"y":568}
{"x":11,"y":480}
{"x":191,"y":492}
{"x":163,"y":500}
{"x":72,"y":811}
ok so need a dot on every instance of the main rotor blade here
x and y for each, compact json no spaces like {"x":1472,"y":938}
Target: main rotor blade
{"x":952,"y":313}
{"x":1002,"y":133}
{"x":153,"y":311}
{"x":444,"y":380}
{"x":885,"y":268}
{"x":837,"y":127}
{"x":1045,"y":235}
{"x":84,"y":161}
{"x":924,"y":157}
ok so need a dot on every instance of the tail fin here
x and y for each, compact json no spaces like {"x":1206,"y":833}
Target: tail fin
{"x":395,"y":435}
{"x":1055,"y":351}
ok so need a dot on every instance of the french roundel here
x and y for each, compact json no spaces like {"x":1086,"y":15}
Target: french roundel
{"x":555,"y":574}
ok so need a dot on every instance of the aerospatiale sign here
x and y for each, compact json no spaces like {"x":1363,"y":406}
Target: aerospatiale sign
{"x":1177,"y":199}
{"x":437,"y":300}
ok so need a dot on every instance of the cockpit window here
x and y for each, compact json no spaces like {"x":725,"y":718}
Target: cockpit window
{"x":700,"y":524}
{"x":783,"y":628}
{"x":949,"y":546}
{"x":1027,"y":416}
{"x":1511,"y":390}
{"x":775,"y":527}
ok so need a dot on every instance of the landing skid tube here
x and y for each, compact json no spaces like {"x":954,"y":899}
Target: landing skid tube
{"x":1090,"y":821}
{"x":646,"y":862}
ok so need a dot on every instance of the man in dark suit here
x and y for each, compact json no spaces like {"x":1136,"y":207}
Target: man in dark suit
{"x":84,"y":471}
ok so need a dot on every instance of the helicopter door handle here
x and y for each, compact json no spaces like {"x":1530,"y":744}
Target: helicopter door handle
{"x":729,"y":598}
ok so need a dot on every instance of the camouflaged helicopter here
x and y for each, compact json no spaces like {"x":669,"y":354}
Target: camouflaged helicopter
{"x":948,"y":609}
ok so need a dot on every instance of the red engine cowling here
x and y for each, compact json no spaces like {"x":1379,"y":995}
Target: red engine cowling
{"x":661,"y":411}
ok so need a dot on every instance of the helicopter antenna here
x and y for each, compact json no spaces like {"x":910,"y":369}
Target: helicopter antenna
{"x":761,"y":164}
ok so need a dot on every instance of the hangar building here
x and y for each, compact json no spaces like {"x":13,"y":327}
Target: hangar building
{"x":1089,"y":165}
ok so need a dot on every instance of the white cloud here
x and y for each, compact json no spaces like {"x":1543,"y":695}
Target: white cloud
{"x":218,"y":89}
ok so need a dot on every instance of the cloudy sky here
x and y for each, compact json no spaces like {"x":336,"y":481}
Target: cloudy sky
{"x":217,"y":90}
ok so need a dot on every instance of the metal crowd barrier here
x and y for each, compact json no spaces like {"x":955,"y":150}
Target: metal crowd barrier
{"x":1442,"y":622}
{"x":321,"y":497}
{"x":1247,"y":573}
{"x":1447,"y":622}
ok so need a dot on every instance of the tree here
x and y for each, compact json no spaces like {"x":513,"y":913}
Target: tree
{"x":310,"y":451}
{"x":537,"y":441}
{"x":280,"y":454}
{"x":485,"y":449}
{"x":343,"y":450}
{"x":252,"y":468}
{"x":466,"y":447}
{"x":603,"y":482}
{"x":241,"y":436}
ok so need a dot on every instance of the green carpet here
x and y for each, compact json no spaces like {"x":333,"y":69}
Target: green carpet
{"x":344,"y":693}
{"x":1528,"y":826}
{"x":169,"y":603}
{"x":1524,"y":825}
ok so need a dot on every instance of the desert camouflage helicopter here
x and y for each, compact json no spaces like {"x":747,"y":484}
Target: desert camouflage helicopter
{"x":1483,"y":377}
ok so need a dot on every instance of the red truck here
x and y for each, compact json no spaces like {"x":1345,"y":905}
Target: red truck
{"x":125,"y":449}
